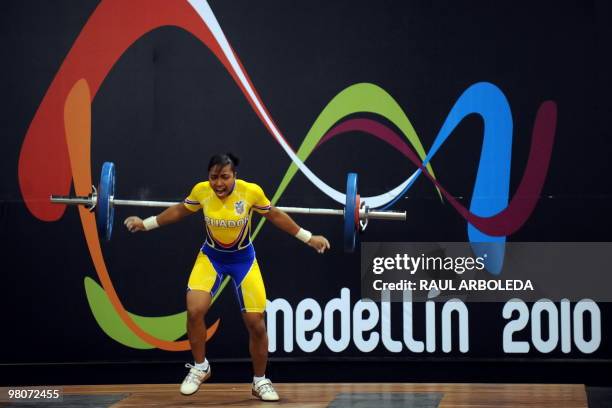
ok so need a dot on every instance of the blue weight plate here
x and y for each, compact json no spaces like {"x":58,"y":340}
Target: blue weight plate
{"x":350,"y":227}
{"x":105,"y":212}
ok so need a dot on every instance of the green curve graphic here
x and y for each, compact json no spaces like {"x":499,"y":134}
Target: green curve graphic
{"x":167,"y":328}
{"x":357,"y":98}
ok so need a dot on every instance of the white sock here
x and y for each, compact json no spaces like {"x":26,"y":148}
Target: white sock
{"x":258,"y":379}
{"x":202,"y":366}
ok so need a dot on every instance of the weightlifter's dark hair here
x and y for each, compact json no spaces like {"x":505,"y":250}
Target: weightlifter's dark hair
{"x":223,"y":160}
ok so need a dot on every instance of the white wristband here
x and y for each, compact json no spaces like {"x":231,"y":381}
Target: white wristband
{"x":150,"y":223}
{"x":303,"y":235}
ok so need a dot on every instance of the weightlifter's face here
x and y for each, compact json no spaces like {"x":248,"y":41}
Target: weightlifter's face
{"x":222,"y":180}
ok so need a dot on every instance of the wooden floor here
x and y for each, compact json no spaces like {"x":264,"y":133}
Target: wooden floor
{"x":320,"y":395}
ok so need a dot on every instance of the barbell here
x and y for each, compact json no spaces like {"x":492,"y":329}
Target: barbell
{"x":102,"y":200}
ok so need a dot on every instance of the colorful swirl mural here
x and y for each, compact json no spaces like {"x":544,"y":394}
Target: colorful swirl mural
{"x":56,"y":149}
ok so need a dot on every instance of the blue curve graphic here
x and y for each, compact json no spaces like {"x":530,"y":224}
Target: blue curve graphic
{"x":491,"y":189}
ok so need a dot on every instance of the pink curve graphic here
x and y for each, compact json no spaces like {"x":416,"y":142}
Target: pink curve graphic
{"x":526,"y":196}
{"x":376,"y":129}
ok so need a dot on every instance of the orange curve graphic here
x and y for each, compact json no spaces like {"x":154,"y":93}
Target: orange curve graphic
{"x":77,"y":123}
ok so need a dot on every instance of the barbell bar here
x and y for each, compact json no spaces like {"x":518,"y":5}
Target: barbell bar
{"x":102,"y":200}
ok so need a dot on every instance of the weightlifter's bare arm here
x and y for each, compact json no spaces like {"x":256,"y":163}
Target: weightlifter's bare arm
{"x":170,"y":215}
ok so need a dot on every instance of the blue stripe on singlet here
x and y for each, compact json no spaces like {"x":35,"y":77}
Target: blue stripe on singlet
{"x":217,"y":284}
{"x":235,"y":264}
{"x":238,"y":288}
{"x":229,"y":257}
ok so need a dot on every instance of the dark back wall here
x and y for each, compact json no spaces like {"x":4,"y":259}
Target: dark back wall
{"x":168,"y":103}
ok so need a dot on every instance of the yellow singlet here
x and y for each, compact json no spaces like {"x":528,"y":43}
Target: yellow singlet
{"x":228,"y":249}
{"x":228,"y":222}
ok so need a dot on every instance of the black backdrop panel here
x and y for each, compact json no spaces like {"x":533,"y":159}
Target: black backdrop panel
{"x":168,"y":103}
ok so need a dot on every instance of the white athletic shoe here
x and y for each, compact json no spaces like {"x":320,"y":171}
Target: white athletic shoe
{"x":264,"y":390}
{"x":194,"y":378}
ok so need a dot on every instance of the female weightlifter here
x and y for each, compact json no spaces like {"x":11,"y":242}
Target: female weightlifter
{"x":227,"y":204}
